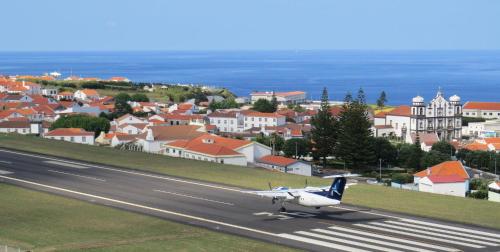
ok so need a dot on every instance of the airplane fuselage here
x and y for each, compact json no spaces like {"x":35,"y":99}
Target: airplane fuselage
{"x":308,"y":199}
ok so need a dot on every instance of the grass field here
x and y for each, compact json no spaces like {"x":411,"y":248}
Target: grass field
{"x":466,"y":210}
{"x":43,"y":222}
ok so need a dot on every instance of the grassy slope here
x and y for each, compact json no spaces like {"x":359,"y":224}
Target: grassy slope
{"x":44,"y":222}
{"x":472,"y":211}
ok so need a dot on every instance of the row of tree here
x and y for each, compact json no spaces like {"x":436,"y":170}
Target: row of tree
{"x":89,"y":123}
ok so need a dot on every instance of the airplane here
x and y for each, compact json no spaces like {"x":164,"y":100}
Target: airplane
{"x":316,"y":197}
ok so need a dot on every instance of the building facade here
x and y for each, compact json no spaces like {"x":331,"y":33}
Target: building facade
{"x":440,"y":116}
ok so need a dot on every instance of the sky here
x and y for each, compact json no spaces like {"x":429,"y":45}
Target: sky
{"x":89,"y":25}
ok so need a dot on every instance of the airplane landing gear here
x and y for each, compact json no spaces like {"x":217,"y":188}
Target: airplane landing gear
{"x":282,"y":209}
{"x":317,"y":207}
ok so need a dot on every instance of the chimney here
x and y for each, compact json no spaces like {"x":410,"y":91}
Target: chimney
{"x":149,"y":136}
{"x":428,"y":171}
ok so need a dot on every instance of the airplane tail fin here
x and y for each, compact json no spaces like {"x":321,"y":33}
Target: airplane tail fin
{"x":337,"y":188}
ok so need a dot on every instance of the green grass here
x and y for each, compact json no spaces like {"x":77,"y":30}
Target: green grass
{"x":465,"y":210}
{"x":43,"y":222}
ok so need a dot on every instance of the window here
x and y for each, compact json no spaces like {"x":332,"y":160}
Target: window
{"x":84,"y":139}
{"x":467,"y":113}
{"x":61,"y":138}
{"x":72,"y":139}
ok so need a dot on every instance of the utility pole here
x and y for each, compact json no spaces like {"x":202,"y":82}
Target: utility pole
{"x":296,"y":150}
{"x":380,"y":168}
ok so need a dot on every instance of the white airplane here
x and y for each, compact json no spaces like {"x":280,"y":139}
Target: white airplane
{"x":309,"y":196}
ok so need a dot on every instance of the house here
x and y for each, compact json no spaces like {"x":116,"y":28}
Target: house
{"x":129,"y":119}
{"x":65,"y":95}
{"x":86,"y":94}
{"x":153,"y":139}
{"x":449,"y":178}
{"x":183,"y":108}
{"x":287,"y":165}
{"x":180,"y":119}
{"x":75,"y":135}
{"x":227,"y":121}
{"x":482,"y":109}
{"x":219,"y":149}
{"x":284,"y":98}
{"x":489,"y":128}
{"x":382,"y":130}
{"x":118,"y":139}
{"x":254,"y":119}
{"x":494,"y":191}
{"x":20,"y":127}
{"x":52,"y":92}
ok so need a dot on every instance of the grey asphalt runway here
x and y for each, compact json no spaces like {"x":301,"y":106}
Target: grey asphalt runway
{"x":228,"y":209}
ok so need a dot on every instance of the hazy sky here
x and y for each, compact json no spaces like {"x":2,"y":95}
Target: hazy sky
{"x":250,"y":24}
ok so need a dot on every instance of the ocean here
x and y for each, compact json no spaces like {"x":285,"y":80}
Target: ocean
{"x":473,"y":75}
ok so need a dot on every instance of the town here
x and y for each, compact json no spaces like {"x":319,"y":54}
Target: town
{"x":437,"y":144}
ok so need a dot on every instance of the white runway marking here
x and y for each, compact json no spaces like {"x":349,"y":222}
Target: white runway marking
{"x":413,"y":230}
{"x":194,"y":197}
{"x":5,"y":162}
{"x":348,"y":242}
{"x":385,"y":243}
{"x":465,"y":230}
{"x":146,"y":207}
{"x":421,"y":244}
{"x":420,"y":236}
{"x":321,"y":243}
{"x":77,"y":175}
{"x":66,"y":164}
{"x":444,"y":230}
{"x":125,"y":171}
{"x":2,"y":172}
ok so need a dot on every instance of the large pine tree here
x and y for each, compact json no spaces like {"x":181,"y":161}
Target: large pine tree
{"x":354,"y":134}
{"x":324,"y":132}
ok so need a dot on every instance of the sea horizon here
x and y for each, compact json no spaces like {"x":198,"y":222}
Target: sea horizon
{"x":471,"y":74}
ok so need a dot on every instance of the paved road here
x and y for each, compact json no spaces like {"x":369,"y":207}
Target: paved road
{"x":223,"y":208}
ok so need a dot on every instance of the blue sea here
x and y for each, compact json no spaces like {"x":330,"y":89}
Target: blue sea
{"x":473,"y":75}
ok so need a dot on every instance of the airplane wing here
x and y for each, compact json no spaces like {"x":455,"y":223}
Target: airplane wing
{"x":280,"y":194}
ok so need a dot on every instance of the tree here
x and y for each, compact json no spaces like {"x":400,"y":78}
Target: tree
{"x":121,"y":105}
{"x":383,"y":149}
{"x":296,"y":147}
{"x":274,"y":103}
{"x":416,"y":154}
{"x":432,"y":158}
{"x":263,"y":105}
{"x":382,"y":100}
{"x":225,"y":104}
{"x":274,"y":141}
{"x":444,"y":148}
{"x":88,"y":123}
{"x":139,"y":98}
{"x":355,"y":135}
{"x":323,"y":131}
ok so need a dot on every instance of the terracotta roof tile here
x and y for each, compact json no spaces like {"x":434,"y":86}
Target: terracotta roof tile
{"x":446,"y":168}
{"x":482,"y":105}
{"x":277,"y":160}
{"x":69,"y":132}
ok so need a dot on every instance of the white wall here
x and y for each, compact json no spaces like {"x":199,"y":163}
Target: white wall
{"x":454,"y":189}
{"x":493,"y":196}
{"x":23,"y":131}
{"x":300,"y":168}
{"x":74,"y":139}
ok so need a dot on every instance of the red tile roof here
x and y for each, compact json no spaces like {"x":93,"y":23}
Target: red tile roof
{"x":277,"y":160}
{"x":446,"y":168}
{"x":491,"y":140}
{"x":261,"y":114}
{"x":446,"y":179}
{"x":476,"y":146}
{"x":213,"y":150}
{"x":283,"y":94}
{"x":69,"y":132}
{"x":482,"y":105}
{"x":402,"y":110}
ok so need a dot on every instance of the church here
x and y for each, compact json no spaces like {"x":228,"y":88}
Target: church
{"x":439,"y":117}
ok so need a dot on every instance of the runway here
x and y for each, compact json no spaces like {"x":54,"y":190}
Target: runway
{"x":228,"y":209}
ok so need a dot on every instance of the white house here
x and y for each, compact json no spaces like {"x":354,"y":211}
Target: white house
{"x":86,"y":94}
{"x":219,"y":149}
{"x":52,"y":92}
{"x":449,"y":178}
{"x":254,"y":119}
{"x":75,"y":135}
{"x":230,"y":121}
{"x":20,"y":127}
{"x":287,"y":165}
{"x":482,"y":109}
{"x":494,"y":191}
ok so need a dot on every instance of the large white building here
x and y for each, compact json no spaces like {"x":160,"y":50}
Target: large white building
{"x":293,"y":97}
{"x":75,"y":135}
{"x":230,"y":121}
{"x":482,"y":109}
{"x":440,"y":116}
{"x":253,"y":119}
{"x":449,"y":178}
